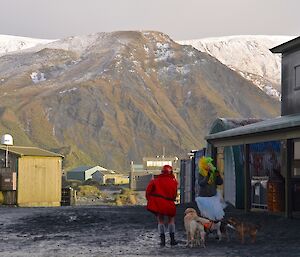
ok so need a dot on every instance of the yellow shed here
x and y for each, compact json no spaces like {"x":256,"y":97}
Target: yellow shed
{"x":30,"y":176}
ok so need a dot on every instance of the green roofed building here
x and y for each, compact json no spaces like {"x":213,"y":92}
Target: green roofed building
{"x":284,"y":129}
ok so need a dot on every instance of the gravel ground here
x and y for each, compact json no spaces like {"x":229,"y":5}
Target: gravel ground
{"x":129,"y":231}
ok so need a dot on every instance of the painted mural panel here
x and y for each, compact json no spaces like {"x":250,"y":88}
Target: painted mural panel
{"x":264,"y":163}
{"x":264,"y":158}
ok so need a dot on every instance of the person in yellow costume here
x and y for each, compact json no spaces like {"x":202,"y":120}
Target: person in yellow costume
{"x":209,"y":201}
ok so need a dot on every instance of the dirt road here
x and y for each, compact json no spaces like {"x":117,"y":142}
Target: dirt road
{"x":128,"y":231}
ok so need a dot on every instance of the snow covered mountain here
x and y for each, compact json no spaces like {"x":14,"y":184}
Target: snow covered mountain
{"x":111,"y":98}
{"x":248,"y":55}
{"x":13,"y":43}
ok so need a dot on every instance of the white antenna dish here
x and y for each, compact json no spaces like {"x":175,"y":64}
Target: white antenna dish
{"x":7,"y":139}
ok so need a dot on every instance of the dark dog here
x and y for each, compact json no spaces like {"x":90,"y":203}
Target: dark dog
{"x":244,"y":228}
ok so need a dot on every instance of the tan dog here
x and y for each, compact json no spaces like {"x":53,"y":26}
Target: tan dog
{"x":194,"y":229}
{"x":197,"y":233}
{"x":244,"y":228}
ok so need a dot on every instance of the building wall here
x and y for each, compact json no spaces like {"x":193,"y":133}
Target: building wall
{"x":140,"y":180}
{"x":39,"y":181}
{"x":115,"y":179}
{"x":98,"y":176}
{"x":290,"y":91}
{"x":122,"y":180}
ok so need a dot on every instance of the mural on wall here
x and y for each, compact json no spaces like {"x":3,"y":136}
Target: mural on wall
{"x":264,"y":158}
{"x":264,"y":164}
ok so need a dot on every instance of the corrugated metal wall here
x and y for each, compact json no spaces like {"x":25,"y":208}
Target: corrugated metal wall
{"x":189,"y":173}
{"x":186,"y":181}
{"x":39,"y":181}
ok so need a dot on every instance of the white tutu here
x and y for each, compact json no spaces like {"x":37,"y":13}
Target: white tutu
{"x":211,"y":207}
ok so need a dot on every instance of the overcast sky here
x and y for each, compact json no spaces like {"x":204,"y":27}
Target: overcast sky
{"x":180,"y":19}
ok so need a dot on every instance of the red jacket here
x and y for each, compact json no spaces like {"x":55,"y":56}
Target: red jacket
{"x":161,"y":193}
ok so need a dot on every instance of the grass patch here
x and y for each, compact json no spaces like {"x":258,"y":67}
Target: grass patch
{"x":126,"y":197}
{"x":88,"y":191}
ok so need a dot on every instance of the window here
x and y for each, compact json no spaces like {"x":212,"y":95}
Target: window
{"x":296,"y":162}
{"x":297,"y":77}
{"x":296,"y":172}
{"x":297,"y":150}
{"x":158,"y":163}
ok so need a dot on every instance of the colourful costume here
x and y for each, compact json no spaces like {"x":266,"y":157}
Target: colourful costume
{"x":209,"y":201}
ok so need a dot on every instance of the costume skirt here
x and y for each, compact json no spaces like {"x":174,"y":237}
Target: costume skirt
{"x":211,"y":207}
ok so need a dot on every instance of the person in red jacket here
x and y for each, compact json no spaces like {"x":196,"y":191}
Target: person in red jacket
{"x":161,"y":193}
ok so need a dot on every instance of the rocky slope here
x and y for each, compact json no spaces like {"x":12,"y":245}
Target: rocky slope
{"x":110,"y":98}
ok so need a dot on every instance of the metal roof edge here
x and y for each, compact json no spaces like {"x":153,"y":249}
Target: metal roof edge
{"x":284,"y":47}
{"x":258,"y":127}
{"x":13,"y":150}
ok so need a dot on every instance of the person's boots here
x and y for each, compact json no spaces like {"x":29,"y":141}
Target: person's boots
{"x":161,"y":231}
{"x":173,"y":241}
{"x":162,"y":240}
{"x":171,"y":228}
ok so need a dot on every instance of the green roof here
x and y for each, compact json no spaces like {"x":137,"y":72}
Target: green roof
{"x":81,"y":169}
{"x":30,"y":151}
{"x":270,"y":125}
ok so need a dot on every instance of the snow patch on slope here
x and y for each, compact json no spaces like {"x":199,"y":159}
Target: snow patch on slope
{"x":163,"y":51}
{"x":37,"y":77}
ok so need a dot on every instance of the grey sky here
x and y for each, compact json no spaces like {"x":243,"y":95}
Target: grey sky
{"x":180,"y":19}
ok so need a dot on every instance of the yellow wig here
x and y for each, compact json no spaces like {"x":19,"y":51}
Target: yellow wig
{"x":205,"y":165}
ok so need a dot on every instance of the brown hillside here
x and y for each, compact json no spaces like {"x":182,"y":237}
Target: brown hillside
{"x":110,"y":98}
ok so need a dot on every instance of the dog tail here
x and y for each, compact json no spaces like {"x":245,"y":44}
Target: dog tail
{"x":230,"y":226}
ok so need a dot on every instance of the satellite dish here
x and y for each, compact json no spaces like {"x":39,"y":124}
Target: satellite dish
{"x":7,"y":139}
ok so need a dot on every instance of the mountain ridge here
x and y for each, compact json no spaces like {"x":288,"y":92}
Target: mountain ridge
{"x":249,"y":55}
